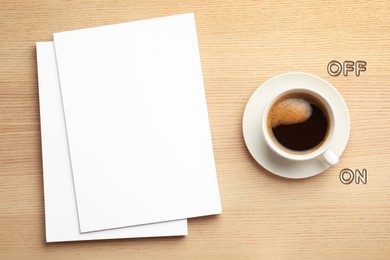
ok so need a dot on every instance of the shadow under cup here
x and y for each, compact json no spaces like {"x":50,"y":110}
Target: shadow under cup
{"x":298,"y":124}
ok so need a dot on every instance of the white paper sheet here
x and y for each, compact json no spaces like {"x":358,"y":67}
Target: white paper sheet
{"x":60,"y":202}
{"x":137,"y":123}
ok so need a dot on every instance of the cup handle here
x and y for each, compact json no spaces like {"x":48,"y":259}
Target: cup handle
{"x":330,"y":158}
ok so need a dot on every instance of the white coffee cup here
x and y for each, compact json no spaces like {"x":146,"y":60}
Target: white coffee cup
{"x":322,"y":151}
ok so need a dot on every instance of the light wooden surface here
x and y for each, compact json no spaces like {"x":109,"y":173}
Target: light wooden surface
{"x":242,"y":43}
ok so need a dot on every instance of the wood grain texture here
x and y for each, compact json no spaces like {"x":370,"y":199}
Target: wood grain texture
{"x":242,"y":43}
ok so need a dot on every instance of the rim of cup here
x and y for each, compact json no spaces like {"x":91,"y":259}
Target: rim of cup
{"x":299,"y":156}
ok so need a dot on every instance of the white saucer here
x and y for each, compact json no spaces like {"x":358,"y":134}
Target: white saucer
{"x":253,"y":133}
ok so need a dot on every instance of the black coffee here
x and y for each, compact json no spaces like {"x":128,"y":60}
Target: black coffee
{"x":298,"y":122}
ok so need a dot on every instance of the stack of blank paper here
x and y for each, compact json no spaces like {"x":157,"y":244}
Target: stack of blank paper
{"x":126,"y":140}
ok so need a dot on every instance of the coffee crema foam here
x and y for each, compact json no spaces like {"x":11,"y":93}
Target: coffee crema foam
{"x":291,"y":110}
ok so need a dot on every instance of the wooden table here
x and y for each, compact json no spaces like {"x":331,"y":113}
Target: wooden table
{"x":242,"y":43}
